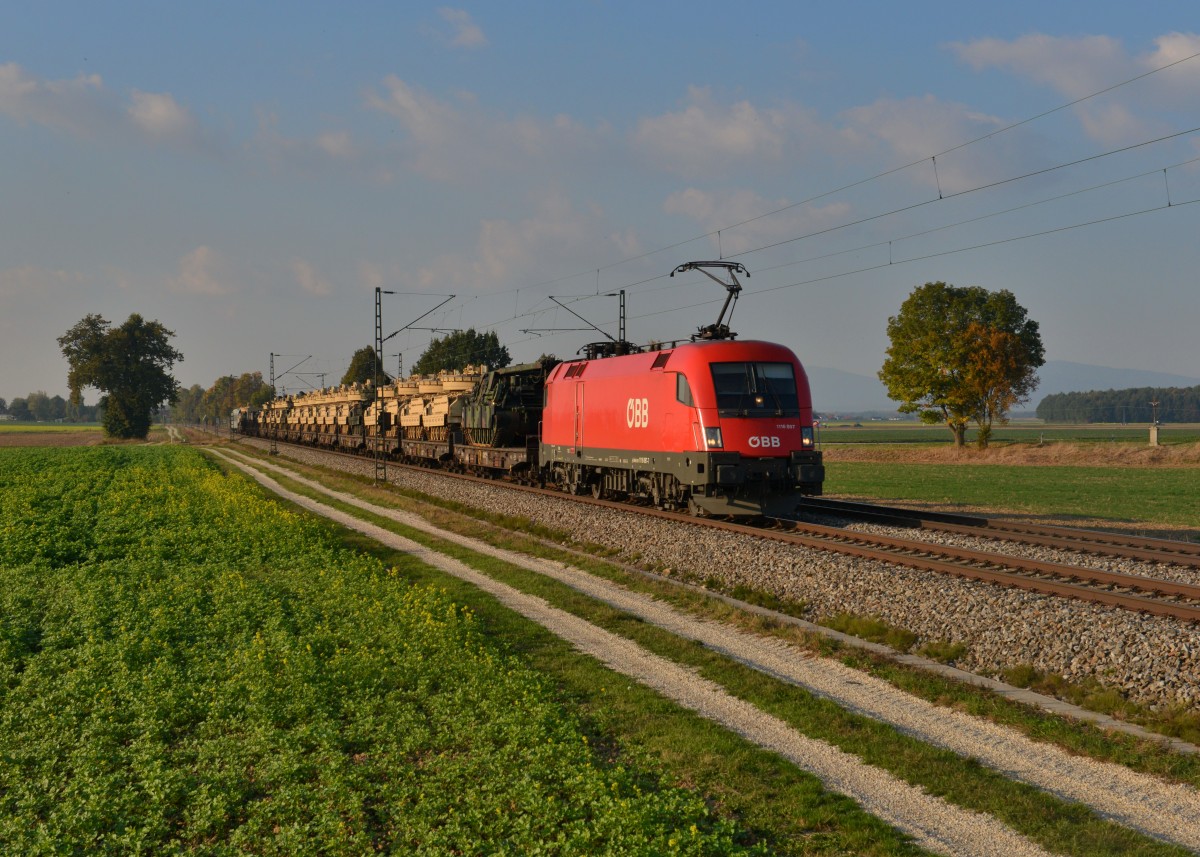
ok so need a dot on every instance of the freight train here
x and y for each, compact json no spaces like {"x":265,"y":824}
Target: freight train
{"x":712,"y":425}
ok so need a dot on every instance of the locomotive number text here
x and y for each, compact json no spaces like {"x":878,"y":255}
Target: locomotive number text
{"x":764,"y":441}
{"x":637,"y":413}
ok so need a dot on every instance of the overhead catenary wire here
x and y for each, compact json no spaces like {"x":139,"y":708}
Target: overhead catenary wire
{"x":535,"y":310}
{"x":892,"y":260}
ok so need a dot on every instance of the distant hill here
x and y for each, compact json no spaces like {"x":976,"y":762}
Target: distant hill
{"x":838,"y":392}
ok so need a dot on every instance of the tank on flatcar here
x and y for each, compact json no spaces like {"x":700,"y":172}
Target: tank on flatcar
{"x":333,"y":416}
{"x":507,"y":406}
{"x":273,"y":418}
{"x":501,"y":417}
{"x":719,"y":427}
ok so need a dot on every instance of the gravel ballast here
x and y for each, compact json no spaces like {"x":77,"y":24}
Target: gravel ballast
{"x":1153,"y":660}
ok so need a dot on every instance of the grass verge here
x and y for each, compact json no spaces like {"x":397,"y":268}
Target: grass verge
{"x":1056,"y":824}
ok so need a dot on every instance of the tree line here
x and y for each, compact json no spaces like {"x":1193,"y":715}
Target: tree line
{"x":1175,"y":405}
{"x":198,"y":405}
{"x":42,"y":408}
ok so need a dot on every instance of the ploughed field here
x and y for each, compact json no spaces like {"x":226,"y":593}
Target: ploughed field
{"x":185,"y":666}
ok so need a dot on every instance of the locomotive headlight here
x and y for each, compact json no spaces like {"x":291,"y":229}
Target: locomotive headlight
{"x":806,"y":437}
{"x":712,"y":437}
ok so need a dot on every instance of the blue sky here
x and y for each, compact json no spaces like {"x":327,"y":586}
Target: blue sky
{"x":248,"y":174}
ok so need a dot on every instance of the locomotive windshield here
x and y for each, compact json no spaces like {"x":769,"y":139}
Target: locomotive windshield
{"x":756,"y":390}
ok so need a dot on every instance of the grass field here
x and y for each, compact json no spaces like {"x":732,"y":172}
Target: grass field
{"x":1169,"y":496}
{"x":185,"y":667}
{"x":1017,"y":432}
{"x":162,"y":696}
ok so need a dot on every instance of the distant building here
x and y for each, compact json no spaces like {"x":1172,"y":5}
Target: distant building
{"x":7,"y":417}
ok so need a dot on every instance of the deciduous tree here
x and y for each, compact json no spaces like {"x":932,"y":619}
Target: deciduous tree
{"x":961,"y":355}
{"x":362,"y":368}
{"x":19,"y":409}
{"x":39,"y":405}
{"x":130,"y":364}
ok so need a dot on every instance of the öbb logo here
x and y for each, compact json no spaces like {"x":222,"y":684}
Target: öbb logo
{"x":637,"y":413}
{"x":764,"y":442}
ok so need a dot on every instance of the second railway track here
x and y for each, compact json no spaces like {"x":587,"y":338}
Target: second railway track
{"x":1098,"y":542}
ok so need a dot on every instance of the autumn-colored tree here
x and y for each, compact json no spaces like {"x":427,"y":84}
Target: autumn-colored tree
{"x":195,"y":404}
{"x":961,"y":355}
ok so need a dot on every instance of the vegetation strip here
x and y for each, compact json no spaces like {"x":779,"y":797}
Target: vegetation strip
{"x":934,"y":823}
{"x":1171,"y":812}
{"x":1056,"y":824}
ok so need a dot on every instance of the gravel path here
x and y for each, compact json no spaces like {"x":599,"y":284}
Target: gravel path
{"x":933,"y":823}
{"x":1154,"y":660}
{"x":1170,"y":812}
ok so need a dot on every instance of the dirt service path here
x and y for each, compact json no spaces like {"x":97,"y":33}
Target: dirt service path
{"x":935,"y":824}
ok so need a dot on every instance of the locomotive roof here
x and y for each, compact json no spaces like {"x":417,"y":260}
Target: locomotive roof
{"x":687,"y":354}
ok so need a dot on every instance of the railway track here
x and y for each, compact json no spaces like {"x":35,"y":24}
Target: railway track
{"x":1124,"y":546}
{"x":1180,"y":601}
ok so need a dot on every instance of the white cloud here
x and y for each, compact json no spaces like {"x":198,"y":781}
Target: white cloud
{"x":467,"y":34}
{"x":308,"y":154}
{"x":914,"y":129}
{"x":200,"y":273}
{"x":309,"y":280}
{"x":458,"y":141}
{"x":508,"y":252}
{"x":1073,"y":66}
{"x":159,"y":115}
{"x":80,"y":106}
{"x":1078,"y":67}
{"x":1172,"y":48}
{"x":33,"y":281}
{"x":83,"y":106}
{"x":336,"y":144}
{"x":705,"y":134}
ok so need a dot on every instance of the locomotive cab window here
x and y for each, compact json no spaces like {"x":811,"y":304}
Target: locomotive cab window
{"x":755,"y":390}
{"x":683,"y":391}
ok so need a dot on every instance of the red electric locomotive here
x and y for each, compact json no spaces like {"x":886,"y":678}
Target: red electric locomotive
{"x":714,"y":426}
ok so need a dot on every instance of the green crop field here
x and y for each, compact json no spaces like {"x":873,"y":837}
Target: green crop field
{"x":185,"y":667}
{"x":49,"y":428}
{"x":1024,"y":431}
